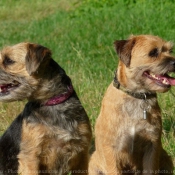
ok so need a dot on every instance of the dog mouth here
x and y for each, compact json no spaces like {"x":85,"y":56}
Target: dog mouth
{"x":163,"y":80}
{"x":6,"y":88}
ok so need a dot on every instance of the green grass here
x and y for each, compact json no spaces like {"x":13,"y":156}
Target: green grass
{"x":81,"y":35}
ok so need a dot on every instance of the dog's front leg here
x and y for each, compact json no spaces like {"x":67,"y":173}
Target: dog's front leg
{"x":79,"y":165}
{"x":28,"y":166}
{"x":103,"y":162}
{"x":109,"y":161}
{"x":30,"y":149}
{"x":151,"y":159}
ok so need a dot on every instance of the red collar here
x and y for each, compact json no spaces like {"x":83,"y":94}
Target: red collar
{"x":60,"y":98}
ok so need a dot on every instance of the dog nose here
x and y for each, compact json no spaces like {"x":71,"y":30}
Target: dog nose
{"x":172,"y":62}
{"x":172,"y":65}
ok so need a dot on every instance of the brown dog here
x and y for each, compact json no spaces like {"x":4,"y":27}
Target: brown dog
{"x":129,"y":127}
{"x":52,"y":135}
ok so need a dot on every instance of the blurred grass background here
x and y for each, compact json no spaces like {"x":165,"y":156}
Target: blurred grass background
{"x":80,"y":34}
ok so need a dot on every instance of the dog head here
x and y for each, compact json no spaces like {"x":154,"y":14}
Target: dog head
{"x":27,"y":71}
{"x":144,"y":64}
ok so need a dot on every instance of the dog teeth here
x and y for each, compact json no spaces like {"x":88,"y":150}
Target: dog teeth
{"x":154,"y":76}
{"x":165,"y":81}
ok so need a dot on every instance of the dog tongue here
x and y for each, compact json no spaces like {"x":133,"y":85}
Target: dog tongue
{"x":3,"y":88}
{"x":171,"y":81}
{"x":167,"y":78}
{"x":163,"y":79}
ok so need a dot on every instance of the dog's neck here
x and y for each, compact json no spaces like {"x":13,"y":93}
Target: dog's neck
{"x":138,"y":95}
{"x":60,"y":98}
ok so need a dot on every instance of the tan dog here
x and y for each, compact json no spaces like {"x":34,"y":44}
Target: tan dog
{"x":129,"y":127}
{"x":52,"y":135}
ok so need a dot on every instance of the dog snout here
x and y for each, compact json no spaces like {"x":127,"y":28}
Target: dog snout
{"x":172,"y":65}
{"x":167,"y":64}
{"x":172,"y":62}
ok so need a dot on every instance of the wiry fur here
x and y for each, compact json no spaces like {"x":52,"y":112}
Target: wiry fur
{"x":42,"y":139}
{"x":125,"y":142}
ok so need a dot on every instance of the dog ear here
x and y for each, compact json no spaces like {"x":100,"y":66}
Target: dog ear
{"x":36,"y":56}
{"x":123,"y":49}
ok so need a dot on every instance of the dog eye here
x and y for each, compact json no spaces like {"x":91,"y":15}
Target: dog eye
{"x":153,"y":53}
{"x":8,"y":61}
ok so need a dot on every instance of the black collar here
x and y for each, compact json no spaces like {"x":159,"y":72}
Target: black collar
{"x":139,"y":95}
